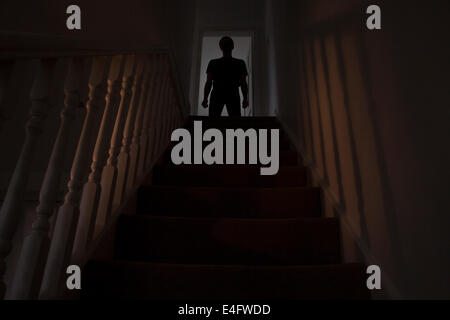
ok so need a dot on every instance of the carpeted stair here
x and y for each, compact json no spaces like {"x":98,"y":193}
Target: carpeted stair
{"x":226,"y":232}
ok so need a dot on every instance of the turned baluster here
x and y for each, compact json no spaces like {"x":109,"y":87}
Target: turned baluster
{"x":138,"y":124}
{"x":67,"y":218}
{"x":109,"y":174}
{"x":31,"y":261}
{"x":11,"y":210}
{"x":148,"y":115}
{"x":92,"y":188}
{"x":124,"y":156}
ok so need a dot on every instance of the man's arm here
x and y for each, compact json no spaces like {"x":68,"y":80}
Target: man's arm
{"x":208,"y":86}
{"x":244,"y":90}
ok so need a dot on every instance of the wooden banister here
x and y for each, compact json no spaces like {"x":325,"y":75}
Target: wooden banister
{"x":133,"y":97}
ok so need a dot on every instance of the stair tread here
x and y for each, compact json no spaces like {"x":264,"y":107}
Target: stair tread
{"x":239,"y":202}
{"x":215,"y":176}
{"x":287,"y":158}
{"x":284,"y":145}
{"x":126,"y":279}
{"x":246,"y":121}
{"x":226,"y":232}
{"x":218,"y":241}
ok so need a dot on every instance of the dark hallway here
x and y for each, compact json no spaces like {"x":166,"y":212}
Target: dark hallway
{"x":89,"y":191}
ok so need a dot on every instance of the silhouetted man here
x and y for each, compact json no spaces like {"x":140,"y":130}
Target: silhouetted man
{"x":225,"y":76}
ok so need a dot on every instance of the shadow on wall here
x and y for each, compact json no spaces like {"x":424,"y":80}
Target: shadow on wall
{"x":340,"y":143}
{"x":373,"y":123}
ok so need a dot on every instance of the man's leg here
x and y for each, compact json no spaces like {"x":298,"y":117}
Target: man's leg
{"x":215,"y":108}
{"x":234,"y":108}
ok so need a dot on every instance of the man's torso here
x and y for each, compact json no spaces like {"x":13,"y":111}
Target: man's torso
{"x":226,"y":74}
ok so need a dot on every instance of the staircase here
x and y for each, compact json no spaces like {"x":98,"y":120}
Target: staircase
{"x":226,"y":232}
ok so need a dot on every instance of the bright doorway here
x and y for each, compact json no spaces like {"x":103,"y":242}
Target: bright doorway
{"x":210,"y":50}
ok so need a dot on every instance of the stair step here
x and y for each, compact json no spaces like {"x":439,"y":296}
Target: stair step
{"x":137,"y":280}
{"x":288,"y":158}
{"x":234,"y":123}
{"x":283,"y":143}
{"x":227,"y":176}
{"x":229,"y":202}
{"x":223,"y":125}
{"x":225,"y":232}
{"x":228,"y":241}
{"x":284,"y":140}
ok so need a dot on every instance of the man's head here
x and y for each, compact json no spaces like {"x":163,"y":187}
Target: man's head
{"x":226,"y":45}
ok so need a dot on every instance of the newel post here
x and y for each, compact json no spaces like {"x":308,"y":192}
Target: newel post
{"x":11,"y":210}
{"x":66,"y":222}
{"x":92,"y":189}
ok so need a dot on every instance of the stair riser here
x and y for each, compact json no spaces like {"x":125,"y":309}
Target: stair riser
{"x":235,"y":123}
{"x":229,"y":203}
{"x":183,"y":282}
{"x":283,"y":144}
{"x":228,"y":241}
{"x":223,"y":176}
{"x":226,"y":233}
{"x":286,"y":158}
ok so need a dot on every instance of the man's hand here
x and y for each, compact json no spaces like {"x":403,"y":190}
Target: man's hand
{"x":205,"y":103}
{"x":245,"y":103}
